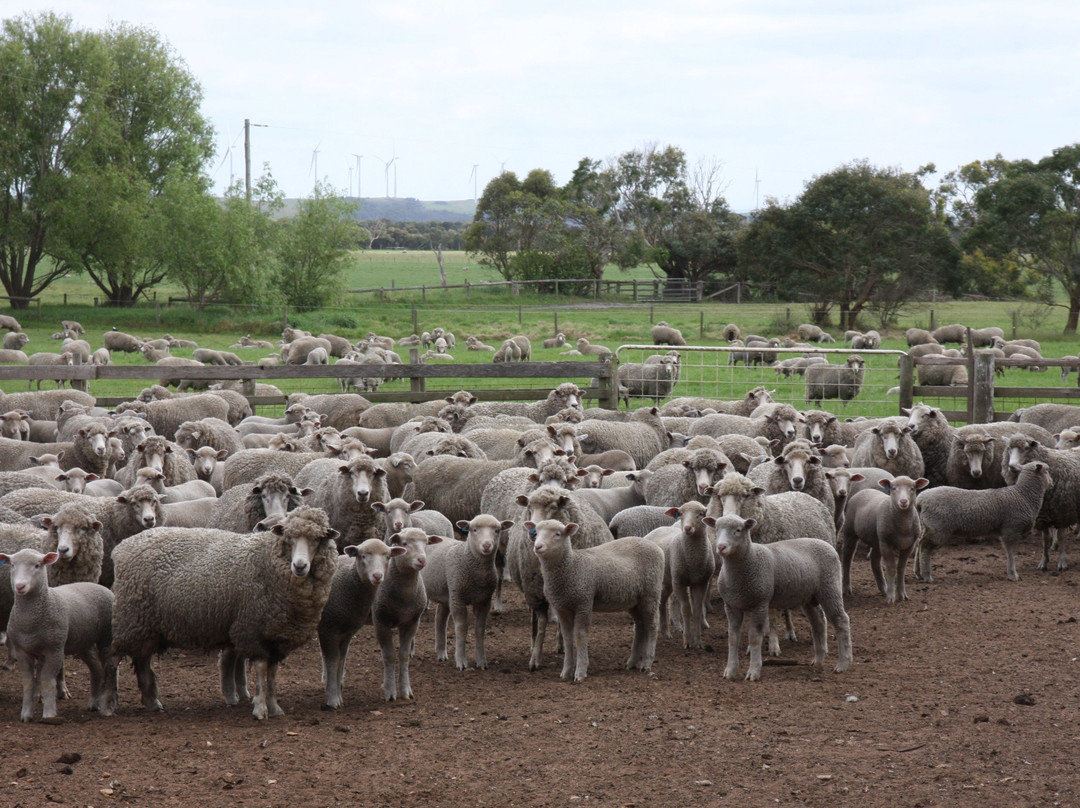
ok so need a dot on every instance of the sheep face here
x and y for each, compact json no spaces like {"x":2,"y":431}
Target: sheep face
{"x":205,"y":460}
{"x":482,"y":533}
{"x":890,"y":436}
{"x":816,"y":425}
{"x":1019,"y":452}
{"x":28,"y":570}
{"x":551,"y":538}
{"x":706,"y":474}
{"x":363,"y":477}
{"x":73,"y":528}
{"x":785,"y":424}
{"x":415,"y":542}
{"x":593,"y":476}
{"x":372,"y":557}
{"x":97,"y":439}
{"x":15,"y":425}
{"x":978,"y":449}
{"x":732,"y":535}
{"x":144,"y":505}
{"x":840,"y":482}
{"x":796,"y":467}
{"x":301,"y":545}
{"x":902,"y":491}
{"x":397,"y":512}
{"x":922,"y":416}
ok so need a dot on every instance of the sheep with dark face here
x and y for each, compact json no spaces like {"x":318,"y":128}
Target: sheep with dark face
{"x":843,"y":382}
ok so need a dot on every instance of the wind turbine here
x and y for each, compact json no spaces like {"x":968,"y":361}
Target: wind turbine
{"x":314,"y":162}
{"x":358,"y":157}
{"x":473,"y":178}
{"x":389,"y":163}
{"x":350,"y":179}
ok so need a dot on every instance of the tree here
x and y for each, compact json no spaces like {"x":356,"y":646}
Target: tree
{"x":93,"y":125}
{"x":1030,"y":213}
{"x":313,"y":248}
{"x":858,"y":237}
{"x":596,"y":229}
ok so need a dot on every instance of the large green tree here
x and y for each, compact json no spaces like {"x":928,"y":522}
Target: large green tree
{"x":92,"y":125}
{"x":858,"y":237}
{"x":1028,"y":213}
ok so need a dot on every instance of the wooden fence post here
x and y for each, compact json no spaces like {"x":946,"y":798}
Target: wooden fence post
{"x":556,"y":323}
{"x":417,"y":384}
{"x":907,"y":382}
{"x":982,"y":391}
{"x":932,"y":326}
{"x":609,"y":386}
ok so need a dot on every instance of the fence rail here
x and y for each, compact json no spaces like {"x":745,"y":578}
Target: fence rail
{"x":666,"y":291}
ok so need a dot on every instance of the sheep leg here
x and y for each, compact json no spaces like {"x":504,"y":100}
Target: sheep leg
{"x":50,"y":666}
{"x":460,"y":613}
{"x":442,"y":616}
{"x":923,"y":551}
{"x":226,"y":665}
{"x":106,"y":701}
{"x":579,"y":633}
{"x":734,"y":623}
{"x":480,"y":618}
{"x":406,"y":636}
{"x":28,"y":669}
{"x":847,"y":553}
{"x":646,"y":625}
{"x":97,"y":673}
{"x":271,"y":690}
{"x":832,"y":604}
{"x":566,"y":627}
{"x":385,"y":637}
{"x":147,"y":679}
{"x":260,"y":707}
{"x":62,"y":691}
{"x":665,"y":619}
{"x":879,"y":577}
{"x":819,"y":635}
{"x":687,"y":617}
{"x":893,"y":564}
{"x":331,"y":657}
{"x":539,"y":629}
{"x":755,"y":632}
{"x":1008,"y":541}
{"x":789,"y":624}
{"x":1063,"y":560}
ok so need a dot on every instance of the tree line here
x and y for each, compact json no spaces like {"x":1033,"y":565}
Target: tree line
{"x":104,"y":155}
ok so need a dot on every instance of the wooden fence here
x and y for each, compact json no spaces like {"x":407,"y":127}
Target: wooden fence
{"x":599,"y":378}
{"x":645,"y":291}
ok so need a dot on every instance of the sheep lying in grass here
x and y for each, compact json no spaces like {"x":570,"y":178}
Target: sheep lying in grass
{"x":622,"y":575}
{"x":195,"y":588}
{"x":792,"y":573}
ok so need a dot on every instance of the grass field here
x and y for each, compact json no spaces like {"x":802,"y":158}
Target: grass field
{"x":493,"y":316}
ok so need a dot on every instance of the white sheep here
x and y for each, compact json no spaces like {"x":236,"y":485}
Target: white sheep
{"x":462,"y":574}
{"x":791,"y":573}
{"x":888,"y":523}
{"x":621,"y":575}
{"x":48,"y":622}
{"x":689,"y":564}
{"x":194,"y":588}
{"x":399,"y":603}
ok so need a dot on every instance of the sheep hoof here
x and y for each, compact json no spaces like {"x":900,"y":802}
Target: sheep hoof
{"x":753,"y":676}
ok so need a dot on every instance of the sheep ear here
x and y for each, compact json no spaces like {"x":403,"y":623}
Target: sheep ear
{"x":814,"y":460}
{"x":436,"y":539}
{"x":885,"y":484}
{"x":91,"y":477}
{"x":876,"y":430}
{"x":506,"y":524}
{"x":306,"y":492}
{"x":378,"y":507}
{"x":522,"y":500}
{"x":921,"y":483}
{"x":530,"y":527}
{"x":191,"y":455}
{"x":572,"y":528}
{"x":672,"y":512}
{"x":278,"y":530}
{"x":343,"y":469}
{"x":332,"y":535}
{"x":708,"y":520}
{"x":757,"y":491}
{"x":47,"y":522}
{"x":905,"y":411}
{"x":749,"y":524}
{"x":50,"y":558}
{"x":857,"y":478}
{"x":462,"y":525}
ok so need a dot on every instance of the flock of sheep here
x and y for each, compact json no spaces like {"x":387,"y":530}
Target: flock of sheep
{"x":183,"y":520}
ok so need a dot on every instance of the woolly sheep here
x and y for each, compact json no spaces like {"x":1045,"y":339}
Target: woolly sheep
{"x":795,"y":572}
{"x":133,"y":511}
{"x":566,"y":394}
{"x":157,"y":453}
{"x":15,"y":340}
{"x":869,"y":341}
{"x":13,"y":357}
{"x":639,"y":520}
{"x":607,"y":502}
{"x":585,"y":348}
{"x":674,"y":484}
{"x":797,"y":469}
{"x":399,"y":603}
{"x":1050,"y":416}
{"x":211,"y":432}
{"x":345,"y":491}
{"x":931,"y":372}
{"x":731,"y":332}
{"x":654,"y":381}
{"x":359,"y":572}
{"x":48,"y":622}
{"x":474,"y":344}
{"x":974,"y":461}
{"x":780,"y":424}
{"x":1009,"y":512}
{"x":918,"y":336}
{"x":1061,"y":503}
{"x":557,"y":341}
{"x":809,"y":332}
{"x":193,"y":489}
{"x":167,"y":576}
{"x":664,"y":334}
{"x":934,"y":437}
{"x":689,"y":565}
{"x":888,"y":523}
{"x":622,"y":575}
{"x":208,"y":465}
{"x":119,"y":341}
{"x":776,"y":516}
{"x":643,"y":436}
{"x":462,"y":574}
{"x":890,"y":447}
{"x":843,"y":382}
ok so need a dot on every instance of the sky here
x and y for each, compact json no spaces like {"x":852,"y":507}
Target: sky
{"x":449,"y":94}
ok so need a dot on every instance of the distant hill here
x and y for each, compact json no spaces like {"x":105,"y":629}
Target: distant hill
{"x":404,"y":210}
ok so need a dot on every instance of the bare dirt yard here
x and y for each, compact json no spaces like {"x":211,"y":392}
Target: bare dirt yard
{"x":965,"y":695}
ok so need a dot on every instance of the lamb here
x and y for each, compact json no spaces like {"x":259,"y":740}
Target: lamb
{"x":297,"y":351}
{"x":120,"y":517}
{"x":936,"y":373}
{"x":399,"y":603}
{"x":557,"y":341}
{"x":359,"y":572}
{"x":607,"y":502}
{"x":345,"y":491}
{"x":211,"y":432}
{"x":208,"y":465}
{"x":166,"y":577}
{"x":890,"y":447}
{"x":689,"y":565}
{"x":843,"y":382}
{"x":777,"y":516}
{"x":1010,"y":512}
{"x":462,"y":574}
{"x":1061,"y":504}
{"x":654,"y":381}
{"x":794,"y":572}
{"x":870,"y":341}
{"x":48,"y":622}
{"x":664,"y":334}
{"x":808,"y":332}
{"x":157,"y":453}
{"x":585,"y":348}
{"x":542,"y":504}
{"x":888,"y":523}
{"x":621,"y":575}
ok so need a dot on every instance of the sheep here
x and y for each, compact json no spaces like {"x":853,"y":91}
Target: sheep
{"x":1009,"y":512}
{"x":607,"y":502}
{"x":835,"y":456}
{"x":1067,"y":438}
{"x":753,"y":399}
{"x":342,"y":410}
{"x":558,"y":341}
{"x":933,"y":373}
{"x":345,"y":491}
{"x":870,"y":341}
{"x":157,"y":453}
{"x":524,"y":567}
{"x":359,"y":572}
{"x":399,"y":603}
{"x":664,"y":334}
{"x":1061,"y":504}
{"x":48,"y":622}
{"x":462,"y":574}
{"x":654,"y":381}
{"x":808,"y":332}
{"x":297,"y":351}
{"x":955,"y":333}
{"x":208,"y":465}
{"x":973,"y":463}
{"x":565,"y":395}
{"x":890,"y":447}
{"x":75,"y":534}
{"x":639,"y":520}
{"x":119,"y":341}
{"x":421,"y":425}
{"x":776,"y":516}
{"x":643,"y":436}
{"x":779,"y":424}
{"x":731,"y":332}
{"x":794,"y":572}
{"x":15,"y":341}
{"x":585,"y":348}
{"x":689,"y":565}
{"x":843,"y":382}
{"x":167,"y":577}
{"x":185,"y":492}
{"x":626,"y":574}
{"x":1050,"y":416}
{"x":934,"y":437}
{"x":247,"y":342}
{"x":248,"y":465}
{"x":888,"y":523}
{"x":45,"y":404}
{"x":339,"y":346}
{"x":122,"y":516}
{"x":166,"y":415}
{"x":474,"y":344}
{"x":797,"y":469}
{"x":47,"y":358}
{"x":672,"y":485}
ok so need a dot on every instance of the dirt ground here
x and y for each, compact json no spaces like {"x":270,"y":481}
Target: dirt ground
{"x":967,"y":694}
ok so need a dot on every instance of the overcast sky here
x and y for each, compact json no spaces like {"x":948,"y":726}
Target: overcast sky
{"x":777,"y":91}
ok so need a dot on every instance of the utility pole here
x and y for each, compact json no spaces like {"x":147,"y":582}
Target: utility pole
{"x":247,"y":155}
